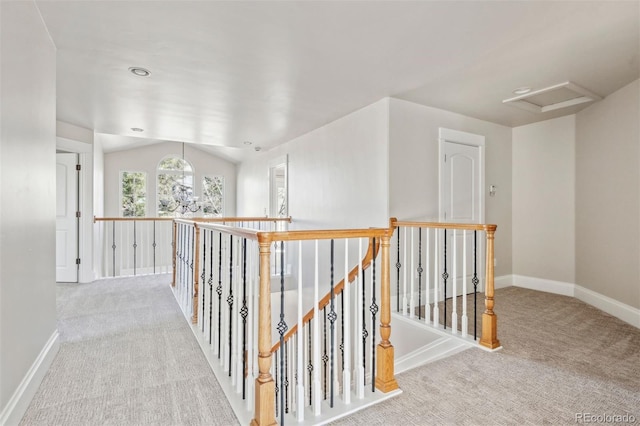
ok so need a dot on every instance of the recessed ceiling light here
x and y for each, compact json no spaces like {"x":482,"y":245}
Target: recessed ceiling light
{"x":522,"y":90}
{"x":137,"y":129}
{"x":139,"y":71}
{"x":248,"y":143}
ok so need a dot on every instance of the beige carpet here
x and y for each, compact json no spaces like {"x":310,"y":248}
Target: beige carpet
{"x":128,"y":357}
{"x":561,"y":357}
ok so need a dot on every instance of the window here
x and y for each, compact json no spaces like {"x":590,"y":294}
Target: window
{"x":133,"y":194}
{"x":174,"y":175}
{"x":213,"y":196}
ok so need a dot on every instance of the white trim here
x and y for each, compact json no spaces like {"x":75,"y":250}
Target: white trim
{"x":626,"y":313}
{"x":16,"y":407}
{"x":503,"y":281}
{"x":541,"y":284}
{"x":620,"y":310}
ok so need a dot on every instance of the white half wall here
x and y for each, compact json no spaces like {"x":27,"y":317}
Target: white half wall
{"x":544,"y":199}
{"x":27,"y":180}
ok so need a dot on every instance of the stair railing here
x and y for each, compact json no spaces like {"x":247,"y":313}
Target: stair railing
{"x":228,"y":296}
{"x":439,"y":276}
{"x":134,"y":246}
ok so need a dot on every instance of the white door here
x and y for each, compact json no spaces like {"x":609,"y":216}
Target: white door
{"x":66,"y":220}
{"x":462,"y":201}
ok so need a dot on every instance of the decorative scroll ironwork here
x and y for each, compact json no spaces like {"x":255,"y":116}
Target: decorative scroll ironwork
{"x":310,"y":363}
{"x":374,"y":310}
{"x":230,"y":300}
{"x":135,"y":248}
{"x":219,"y":291}
{"x":475,"y":282}
{"x":445,"y":276}
{"x":398,"y":266}
{"x":332,"y":320}
{"x":420,"y":271}
{"x":244,"y":311}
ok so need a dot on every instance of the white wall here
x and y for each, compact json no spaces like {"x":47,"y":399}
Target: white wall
{"x":337,"y":177}
{"x":27,"y":206}
{"x":146,"y":159}
{"x":608,"y":196}
{"x":544,"y":200}
{"x":413,"y":163}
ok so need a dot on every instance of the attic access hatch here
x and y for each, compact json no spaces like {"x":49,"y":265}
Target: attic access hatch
{"x":561,"y":95}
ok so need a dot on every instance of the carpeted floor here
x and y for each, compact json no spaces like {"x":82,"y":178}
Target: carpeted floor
{"x":128,"y":357}
{"x":561,"y":358}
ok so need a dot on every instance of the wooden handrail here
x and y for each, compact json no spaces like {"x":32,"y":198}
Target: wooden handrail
{"x":130,"y":219}
{"x":444,"y":225}
{"x":338,"y":289}
{"x":196,"y":219}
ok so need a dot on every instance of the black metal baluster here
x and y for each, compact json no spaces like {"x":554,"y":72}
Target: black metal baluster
{"x":420,"y":270}
{"x":445,"y":276}
{"x":398,"y":265}
{"x":154,"y":246}
{"x":219,"y":291}
{"x":325,"y":357}
{"x":310,"y":364}
{"x":365,"y":333}
{"x":374,"y":310}
{"x":342,"y":325}
{"x":113,"y":245}
{"x":203,"y":275}
{"x":282,"y":327}
{"x":277,"y":382}
{"x":244,"y":311}
{"x":191,"y":256}
{"x":475,"y":282}
{"x":230,"y":300}
{"x":285,"y":394}
{"x":179,"y":253}
{"x":210,"y":287}
{"x":135,"y":247}
{"x":332,"y":320}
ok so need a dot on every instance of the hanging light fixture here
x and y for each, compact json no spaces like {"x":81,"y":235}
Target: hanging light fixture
{"x":183,"y":200}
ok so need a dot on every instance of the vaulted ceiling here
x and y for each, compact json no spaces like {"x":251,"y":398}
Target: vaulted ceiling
{"x":226,"y":72}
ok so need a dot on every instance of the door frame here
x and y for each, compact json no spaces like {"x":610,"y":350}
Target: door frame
{"x":463,"y":138}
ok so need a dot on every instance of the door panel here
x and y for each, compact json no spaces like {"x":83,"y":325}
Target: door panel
{"x":461,"y":186}
{"x":66,"y":221}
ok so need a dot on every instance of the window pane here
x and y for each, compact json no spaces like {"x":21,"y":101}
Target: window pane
{"x":175,"y":163}
{"x":213,"y":190}
{"x":134,"y":194}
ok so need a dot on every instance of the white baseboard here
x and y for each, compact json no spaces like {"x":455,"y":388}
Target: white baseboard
{"x":16,"y":407}
{"x":620,"y":310}
{"x":611,"y":306}
{"x":503,"y":281}
{"x":541,"y":284}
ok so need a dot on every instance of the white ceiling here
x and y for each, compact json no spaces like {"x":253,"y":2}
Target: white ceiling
{"x":225,"y":72}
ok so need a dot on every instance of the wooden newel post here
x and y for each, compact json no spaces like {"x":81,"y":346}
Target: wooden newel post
{"x":174,"y":249}
{"x":196,"y":268}
{"x":489,"y":337}
{"x":265,"y":411}
{"x":385,"y":378}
